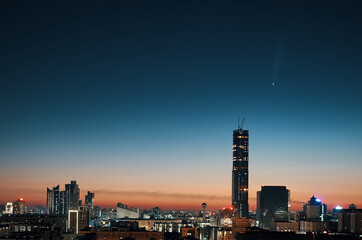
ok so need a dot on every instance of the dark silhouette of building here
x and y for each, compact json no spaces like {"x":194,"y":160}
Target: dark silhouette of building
{"x":2,"y":209}
{"x":19,"y":206}
{"x":114,"y":234}
{"x":156,"y":213}
{"x":316,"y":211}
{"x":63,"y":202}
{"x":32,"y":226}
{"x":350,"y":221}
{"x":72,"y":221}
{"x":72,"y":190}
{"x":83,"y":217}
{"x":272,"y":205}
{"x":89,"y":202}
{"x":261,"y":234}
{"x":352,"y":206}
{"x":240,"y":174}
{"x":53,"y":201}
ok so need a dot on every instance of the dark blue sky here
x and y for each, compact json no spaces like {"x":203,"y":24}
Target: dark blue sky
{"x":120,"y":82}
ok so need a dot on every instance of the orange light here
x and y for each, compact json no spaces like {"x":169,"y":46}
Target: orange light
{"x":231,"y":208}
{"x":21,"y":199}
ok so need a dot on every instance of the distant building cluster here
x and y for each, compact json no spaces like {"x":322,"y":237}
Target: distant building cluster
{"x":65,"y":217}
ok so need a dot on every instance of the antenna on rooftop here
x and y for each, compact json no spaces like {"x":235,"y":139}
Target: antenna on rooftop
{"x":242,"y":124}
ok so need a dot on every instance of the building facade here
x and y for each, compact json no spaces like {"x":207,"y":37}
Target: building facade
{"x":350,"y":221}
{"x":272,"y":205}
{"x":53,"y":201}
{"x":315,"y":210}
{"x":63,"y":200}
{"x":19,"y":206}
{"x":72,"y":190}
{"x":123,"y":211}
{"x":83,"y":217}
{"x":89,"y":202}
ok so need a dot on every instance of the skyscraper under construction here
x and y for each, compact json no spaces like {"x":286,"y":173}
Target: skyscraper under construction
{"x":240,"y":184}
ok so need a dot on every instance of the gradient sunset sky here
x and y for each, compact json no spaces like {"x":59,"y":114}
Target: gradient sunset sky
{"x":137,"y":100}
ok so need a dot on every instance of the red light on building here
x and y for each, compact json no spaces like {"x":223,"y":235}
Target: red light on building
{"x":21,"y":199}
{"x":231,"y":208}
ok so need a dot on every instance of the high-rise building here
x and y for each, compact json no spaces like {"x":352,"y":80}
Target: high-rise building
{"x":97,"y":211}
{"x":63,"y":201}
{"x":40,"y":209}
{"x":350,"y":221}
{"x":72,"y":221}
{"x":9,"y":208}
{"x":50,"y":201}
{"x":352,"y":206}
{"x":83,"y":217}
{"x":272,"y":205}
{"x":78,"y":219}
{"x":89,"y":202}
{"x":19,"y":206}
{"x":316,"y":211}
{"x":56,"y":200}
{"x":72,"y":190}
{"x":240,"y":174}
{"x":336,"y":210}
{"x":53,"y":201}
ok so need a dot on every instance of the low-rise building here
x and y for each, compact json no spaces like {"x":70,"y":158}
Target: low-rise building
{"x":108,"y":234}
{"x":284,"y":226}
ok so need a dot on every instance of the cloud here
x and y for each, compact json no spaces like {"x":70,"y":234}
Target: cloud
{"x":158,"y":194}
{"x":297,"y":202}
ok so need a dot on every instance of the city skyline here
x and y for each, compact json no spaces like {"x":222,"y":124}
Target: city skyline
{"x":138,"y":102}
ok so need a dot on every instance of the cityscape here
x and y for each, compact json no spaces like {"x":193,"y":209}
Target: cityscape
{"x":181,"y":120}
{"x":69,"y":217}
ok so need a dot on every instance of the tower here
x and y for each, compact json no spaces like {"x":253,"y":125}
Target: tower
{"x":204,"y":205}
{"x":240,"y":174}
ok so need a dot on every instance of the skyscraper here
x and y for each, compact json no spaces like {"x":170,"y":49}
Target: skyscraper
{"x":53,"y":204}
{"x":56,"y":199}
{"x":316,"y":211}
{"x":50,"y":201}
{"x":72,"y":190}
{"x":240,"y":175}
{"x":83,"y":217}
{"x":19,"y":206}
{"x":89,"y":202}
{"x":63,"y":201}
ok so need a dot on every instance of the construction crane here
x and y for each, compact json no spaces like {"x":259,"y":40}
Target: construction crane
{"x":242,"y":123}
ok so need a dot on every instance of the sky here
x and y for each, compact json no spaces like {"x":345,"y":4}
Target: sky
{"x":137,"y":100}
